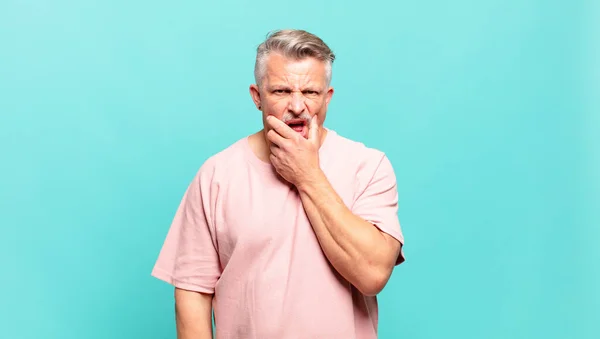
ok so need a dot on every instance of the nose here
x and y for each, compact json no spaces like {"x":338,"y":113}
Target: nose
{"x":296,"y":104}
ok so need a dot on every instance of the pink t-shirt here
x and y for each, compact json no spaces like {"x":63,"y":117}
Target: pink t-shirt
{"x":242,"y":234}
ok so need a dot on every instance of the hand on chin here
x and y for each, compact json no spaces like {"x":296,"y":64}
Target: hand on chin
{"x":294,"y":149}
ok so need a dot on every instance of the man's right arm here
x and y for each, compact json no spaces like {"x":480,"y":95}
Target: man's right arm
{"x":193,"y":311}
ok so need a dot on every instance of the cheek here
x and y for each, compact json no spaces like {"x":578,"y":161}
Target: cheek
{"x":316,"y":105}
{"x":275,"y":108}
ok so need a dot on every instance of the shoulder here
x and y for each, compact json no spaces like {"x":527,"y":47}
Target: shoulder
{"x":217,"y":166}
{"x":364,"y":166}
{"x":364,"y":158}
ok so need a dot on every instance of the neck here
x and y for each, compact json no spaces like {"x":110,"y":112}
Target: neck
{"x":260,"y":147}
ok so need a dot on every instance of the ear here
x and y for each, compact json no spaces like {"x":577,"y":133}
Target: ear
{"x":255,"y":94}
{"x":328,"y":95}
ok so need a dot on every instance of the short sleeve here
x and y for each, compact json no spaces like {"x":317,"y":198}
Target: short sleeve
{"x":377,"y":201}
{"x":189,"y":258}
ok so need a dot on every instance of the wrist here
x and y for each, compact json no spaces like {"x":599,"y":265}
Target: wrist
{"x":312,"y":181}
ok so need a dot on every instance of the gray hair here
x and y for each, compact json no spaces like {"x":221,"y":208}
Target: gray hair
{"x":296,"y":44}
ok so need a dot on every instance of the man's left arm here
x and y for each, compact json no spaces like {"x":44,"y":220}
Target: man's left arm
{"x":361,"y":252}
{"x":355,"y":242}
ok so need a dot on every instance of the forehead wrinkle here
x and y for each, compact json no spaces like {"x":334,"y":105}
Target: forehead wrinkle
{"x":299,"y":82}
{"x":294,"y":75}
{"x":296,"y":83}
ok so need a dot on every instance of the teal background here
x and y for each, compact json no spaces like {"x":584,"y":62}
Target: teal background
{"x":488,"y":110}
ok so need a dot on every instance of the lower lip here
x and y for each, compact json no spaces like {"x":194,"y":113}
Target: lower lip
{"x":301,"y":130}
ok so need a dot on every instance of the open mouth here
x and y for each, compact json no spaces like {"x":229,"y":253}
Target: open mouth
{"x":298,"y":125}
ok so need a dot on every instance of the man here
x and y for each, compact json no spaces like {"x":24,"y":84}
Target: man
{"x":292,"y":231}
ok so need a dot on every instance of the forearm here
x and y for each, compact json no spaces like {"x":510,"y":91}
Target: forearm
{"x":193,"y":313}
{"x":359,"y":251}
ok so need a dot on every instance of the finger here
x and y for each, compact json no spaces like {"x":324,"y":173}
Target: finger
{"x":313,"y":129}
{"x":275,"y":138}
{"x":280,"y":127}
{"x":275,"y":150}
{"x":273,"y":159}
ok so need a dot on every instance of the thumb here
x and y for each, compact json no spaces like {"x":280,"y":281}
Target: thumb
{"x":313,"y":130}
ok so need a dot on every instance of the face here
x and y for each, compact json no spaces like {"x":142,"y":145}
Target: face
{"x":293,"y":91}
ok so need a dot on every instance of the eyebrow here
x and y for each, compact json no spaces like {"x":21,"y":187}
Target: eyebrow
{"x":273,"y":87}
{"x":286,"y":87}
